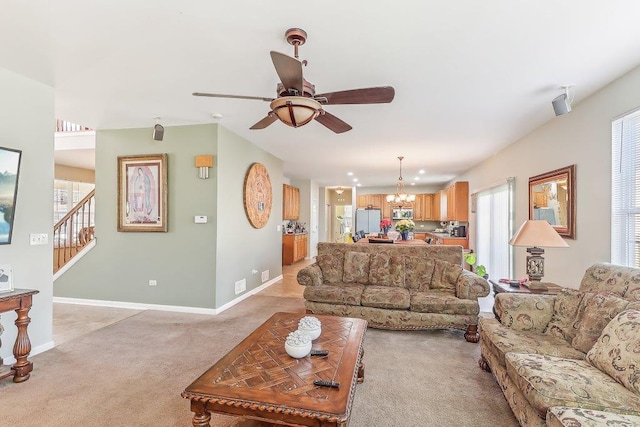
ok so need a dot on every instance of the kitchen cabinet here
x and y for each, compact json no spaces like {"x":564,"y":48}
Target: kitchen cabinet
{"x":290,"y":202}
{"x":370,"y":200}
{"x":294,"y":248}
{"x":445,"y":239}
{"x":422,"y":207}
{"x":458,"y":202}
{"x":440,"y":206}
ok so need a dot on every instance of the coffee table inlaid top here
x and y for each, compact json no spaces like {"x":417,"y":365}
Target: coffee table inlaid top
{"x":260,"y":376}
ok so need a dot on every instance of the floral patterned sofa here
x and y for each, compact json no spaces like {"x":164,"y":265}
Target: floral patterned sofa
{"x":573,"y":358}
{"x":395,"y":286}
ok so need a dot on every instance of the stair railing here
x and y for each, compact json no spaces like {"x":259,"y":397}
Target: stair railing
{"x":74,"y":231}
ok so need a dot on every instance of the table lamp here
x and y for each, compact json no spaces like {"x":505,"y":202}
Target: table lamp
{"x":536,"y":234}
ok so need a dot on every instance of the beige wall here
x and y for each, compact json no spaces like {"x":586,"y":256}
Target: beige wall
{"x":69,"y":173}
{"x":583,"y":138}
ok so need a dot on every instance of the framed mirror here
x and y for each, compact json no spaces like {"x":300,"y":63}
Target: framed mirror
{"x":552,"y":198}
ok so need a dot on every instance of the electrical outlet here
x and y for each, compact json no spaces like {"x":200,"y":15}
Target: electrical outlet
{"x":241,"y":286}
{"x":153,"y":283}
{"x":265,"y":276}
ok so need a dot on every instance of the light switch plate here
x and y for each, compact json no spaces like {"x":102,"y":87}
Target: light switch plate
{"x":200,"y":219}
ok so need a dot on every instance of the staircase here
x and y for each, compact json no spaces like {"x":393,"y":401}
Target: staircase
{"x":74,"y":232}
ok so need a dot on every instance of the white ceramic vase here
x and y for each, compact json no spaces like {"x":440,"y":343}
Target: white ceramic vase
{"x":298,"y":344}
{"x":311,"y":326}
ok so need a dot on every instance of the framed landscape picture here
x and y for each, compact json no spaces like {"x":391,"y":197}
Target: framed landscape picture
{"x":142,"y":193}
{"x":9,"y":171}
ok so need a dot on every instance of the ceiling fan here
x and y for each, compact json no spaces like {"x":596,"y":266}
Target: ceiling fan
{"x":297,"y":103}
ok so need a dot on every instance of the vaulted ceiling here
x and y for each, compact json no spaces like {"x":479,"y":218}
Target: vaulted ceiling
{"x":470,"y":77}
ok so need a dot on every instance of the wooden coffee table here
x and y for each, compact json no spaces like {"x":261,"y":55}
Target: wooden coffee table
{"x":258,"y":380}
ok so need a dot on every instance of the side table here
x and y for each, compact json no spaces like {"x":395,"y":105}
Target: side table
{"x":499,"y":287}
{"x":19,"y":300}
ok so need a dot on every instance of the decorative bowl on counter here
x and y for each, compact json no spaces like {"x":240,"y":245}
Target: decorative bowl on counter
{"x":311,"y":326}
{"x":298,"y":344}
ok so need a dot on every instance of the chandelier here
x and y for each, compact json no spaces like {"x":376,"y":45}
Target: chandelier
{"x":400,"y":197}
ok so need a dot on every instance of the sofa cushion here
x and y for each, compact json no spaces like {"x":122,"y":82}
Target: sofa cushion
{"x":356,"y":267}
{"x":331,"y":264}
{"x":565,"y":310}
{"x":418,"y":272}
{"x":342,"y":293}
{"x":617,"y":351}
{"x":548,"y":381}
{"x":605,"y":277}
{"x":386,"y":269}
{"x":563,"y":416}
{"x":530,"y":313}
{"x":442,"y":302}
{"x":445,"y":275}
{"x":598,"y":311}
{"x":385,"y":297}
{"x":501,"y":339}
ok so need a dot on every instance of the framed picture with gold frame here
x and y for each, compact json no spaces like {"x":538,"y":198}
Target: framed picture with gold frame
{"x":142,"y":193}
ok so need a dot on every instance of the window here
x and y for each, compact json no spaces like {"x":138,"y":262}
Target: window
{"x":67,"y":194}
{"x":494,"y":229}
{"x":625,"y":191}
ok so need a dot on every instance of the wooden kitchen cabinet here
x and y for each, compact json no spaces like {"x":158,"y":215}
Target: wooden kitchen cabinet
{"x":440,"y":201}
{"x":370,"y":200}
{"x":294,"y":248}
{"x":458,"y":202}
{"x":290,"y":202}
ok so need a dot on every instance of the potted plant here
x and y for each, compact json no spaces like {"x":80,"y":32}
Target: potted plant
{"x":385,"y":225}
{"x":480,"y":270}
{"x":404,"y":226}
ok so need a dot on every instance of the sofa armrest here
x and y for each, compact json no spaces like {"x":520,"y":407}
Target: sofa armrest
{"x":471,"y":286}
{"x":524,"y":312}
{"x":310,"y":275}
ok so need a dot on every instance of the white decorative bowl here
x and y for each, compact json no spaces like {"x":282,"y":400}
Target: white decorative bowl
{"x":311,"y":326}
{"x":298,"y":344}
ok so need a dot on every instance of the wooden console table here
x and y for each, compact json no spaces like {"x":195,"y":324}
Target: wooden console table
{"x":20,"y":301}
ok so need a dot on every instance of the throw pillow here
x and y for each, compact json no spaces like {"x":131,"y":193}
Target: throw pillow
{"x":445,"y":275}
{"x":418,"y":272}
{"x":598,"y":311}
{"x":379,"y":269}
{"x":356,"y":267}
{"x":617,"y":351}
{"x":565,"y":310}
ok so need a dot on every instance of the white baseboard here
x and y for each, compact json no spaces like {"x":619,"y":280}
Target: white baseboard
{"x":35,"y":350}
{"x":160,"y":307}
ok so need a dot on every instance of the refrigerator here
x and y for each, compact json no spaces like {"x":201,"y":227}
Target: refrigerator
{"x":368,"y":220}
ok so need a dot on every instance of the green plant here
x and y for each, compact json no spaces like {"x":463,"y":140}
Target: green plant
{"x":471,"y":259}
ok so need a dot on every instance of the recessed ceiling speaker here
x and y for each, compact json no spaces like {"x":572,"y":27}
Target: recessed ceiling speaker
{"x":561,"y":105}
{"x":158,"y":132}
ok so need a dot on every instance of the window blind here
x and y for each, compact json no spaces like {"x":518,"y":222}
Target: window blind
{"x":625,"y":191}
{"x":494,"y":229}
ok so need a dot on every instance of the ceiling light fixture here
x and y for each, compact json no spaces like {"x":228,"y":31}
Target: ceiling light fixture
{"x":400,"y":197}
{"x":339,"y":190}
{"x":295,"y":111}
{"x":562,"y":103}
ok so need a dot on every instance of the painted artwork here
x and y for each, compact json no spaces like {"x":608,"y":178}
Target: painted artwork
{"x":9,"y":171}
{"x":142,"y":193}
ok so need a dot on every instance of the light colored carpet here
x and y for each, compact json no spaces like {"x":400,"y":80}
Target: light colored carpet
{"x":131,"y":373}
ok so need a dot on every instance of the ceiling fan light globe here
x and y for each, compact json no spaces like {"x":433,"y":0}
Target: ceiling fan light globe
{"x":295,"y":111}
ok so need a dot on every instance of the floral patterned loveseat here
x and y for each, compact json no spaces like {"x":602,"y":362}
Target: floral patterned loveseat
{"x":395,"y":286}
{"x":573,"y":358}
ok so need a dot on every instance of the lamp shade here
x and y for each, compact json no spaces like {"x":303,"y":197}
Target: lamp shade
{"x":537,"y":233}
{"x":296,"y":111}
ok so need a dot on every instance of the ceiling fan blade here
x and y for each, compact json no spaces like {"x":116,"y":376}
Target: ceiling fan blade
{"x":332,"y":122}
{"x":265,"y":122}
{"x":219,"y":95}
{"x":370,"y":95}
{"x":289,"y":70}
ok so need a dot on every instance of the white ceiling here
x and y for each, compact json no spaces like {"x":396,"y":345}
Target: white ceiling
{"x":470,"y":76}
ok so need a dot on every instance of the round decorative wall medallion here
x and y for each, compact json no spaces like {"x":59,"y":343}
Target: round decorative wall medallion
{"x":258,"y":195}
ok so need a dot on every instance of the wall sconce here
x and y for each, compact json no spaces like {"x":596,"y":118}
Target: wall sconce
{"x":203,"y":163}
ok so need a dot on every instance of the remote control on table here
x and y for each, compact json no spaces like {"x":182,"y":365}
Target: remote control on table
{"x":319,"y":352}
{"x":327,"y":383}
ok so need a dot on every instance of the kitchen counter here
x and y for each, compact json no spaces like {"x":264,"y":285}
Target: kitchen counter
{"x":447,"y":239}
{"x":444,"y":236}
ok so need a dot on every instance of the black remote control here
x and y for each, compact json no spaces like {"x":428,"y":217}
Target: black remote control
{"x":319,"y":352}
{"x":327,"y":383}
